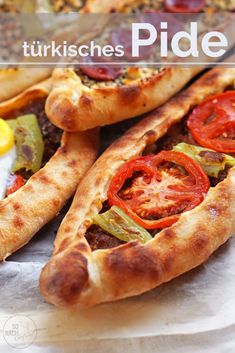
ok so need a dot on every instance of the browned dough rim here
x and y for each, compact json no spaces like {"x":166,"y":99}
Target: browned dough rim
{"x":23,"y":213}
{"x":13,"y":81}
{"x":75,"y":107}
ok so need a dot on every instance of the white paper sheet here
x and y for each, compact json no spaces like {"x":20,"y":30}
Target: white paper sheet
{"x":199,"y":303}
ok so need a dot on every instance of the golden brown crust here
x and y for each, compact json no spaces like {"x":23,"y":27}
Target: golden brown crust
{"x":89,"y":6}
{"x":106,"y":6}
{"x":76,"y":276}
{"x":23,"y":213}
{"x":15,"y":80}
{"x":73,"y":106}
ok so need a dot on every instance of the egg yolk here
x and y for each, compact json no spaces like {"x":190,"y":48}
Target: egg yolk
{"x":6,"y":137}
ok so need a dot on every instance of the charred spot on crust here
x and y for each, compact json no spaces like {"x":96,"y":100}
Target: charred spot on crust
{"x":64,"y":112}
{"x":43,"y":177}
{"x":169,"y":260}
{"x":67,"y":121}
{"x":170,"y":233}
{"x":56,"y":203}
{"x":72,"y":163}
{"x":98,"y":180}
{"x":200,"y":241}
{"x":85,"y":101}
{"x":17,"y":222}
{"x":63,"y":150}
{"x":67,"y":277}
{"x":129,"y":94}
{"x":82,"y":247}
{"x":150,"y":136}
{"x":16,"y":206}
{"x":65,"y":243}
{"x":67,"y":229}
{"x":133,"y":261}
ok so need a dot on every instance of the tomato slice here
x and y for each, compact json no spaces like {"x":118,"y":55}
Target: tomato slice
{"x":185,"y":6}
{"x":103,"y":71}
{"x":154,"y":190}
{"x":17,"y":184}
{"x":212,"y":123}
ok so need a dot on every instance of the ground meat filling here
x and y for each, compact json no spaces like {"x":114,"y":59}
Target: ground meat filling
{"x":222,"y":175}
{"x":50,"y":133}
{"x":51,"y":136}
{"x":99,"y":239}
{"x":176,"y":134}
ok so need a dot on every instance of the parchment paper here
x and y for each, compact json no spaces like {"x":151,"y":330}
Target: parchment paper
{"x":201,"y":302}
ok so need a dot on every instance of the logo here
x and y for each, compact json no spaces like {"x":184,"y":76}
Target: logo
{"x":19,"y":331}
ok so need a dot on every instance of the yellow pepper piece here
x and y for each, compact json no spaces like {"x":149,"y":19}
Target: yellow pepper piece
{"x":6,"y":137}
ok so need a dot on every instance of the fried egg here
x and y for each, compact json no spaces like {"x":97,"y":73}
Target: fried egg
{"x":7,"y":155}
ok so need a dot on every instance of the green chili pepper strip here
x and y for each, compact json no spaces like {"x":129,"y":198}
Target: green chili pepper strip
{"x":116,"y":222}
{"x":29,"y":143}
{"x":211,"y":161}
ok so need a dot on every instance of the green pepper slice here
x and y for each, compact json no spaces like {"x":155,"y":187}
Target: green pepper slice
{"x":29,"y":143}
{"x":211,"y":161}
{"x":116,"y":222}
